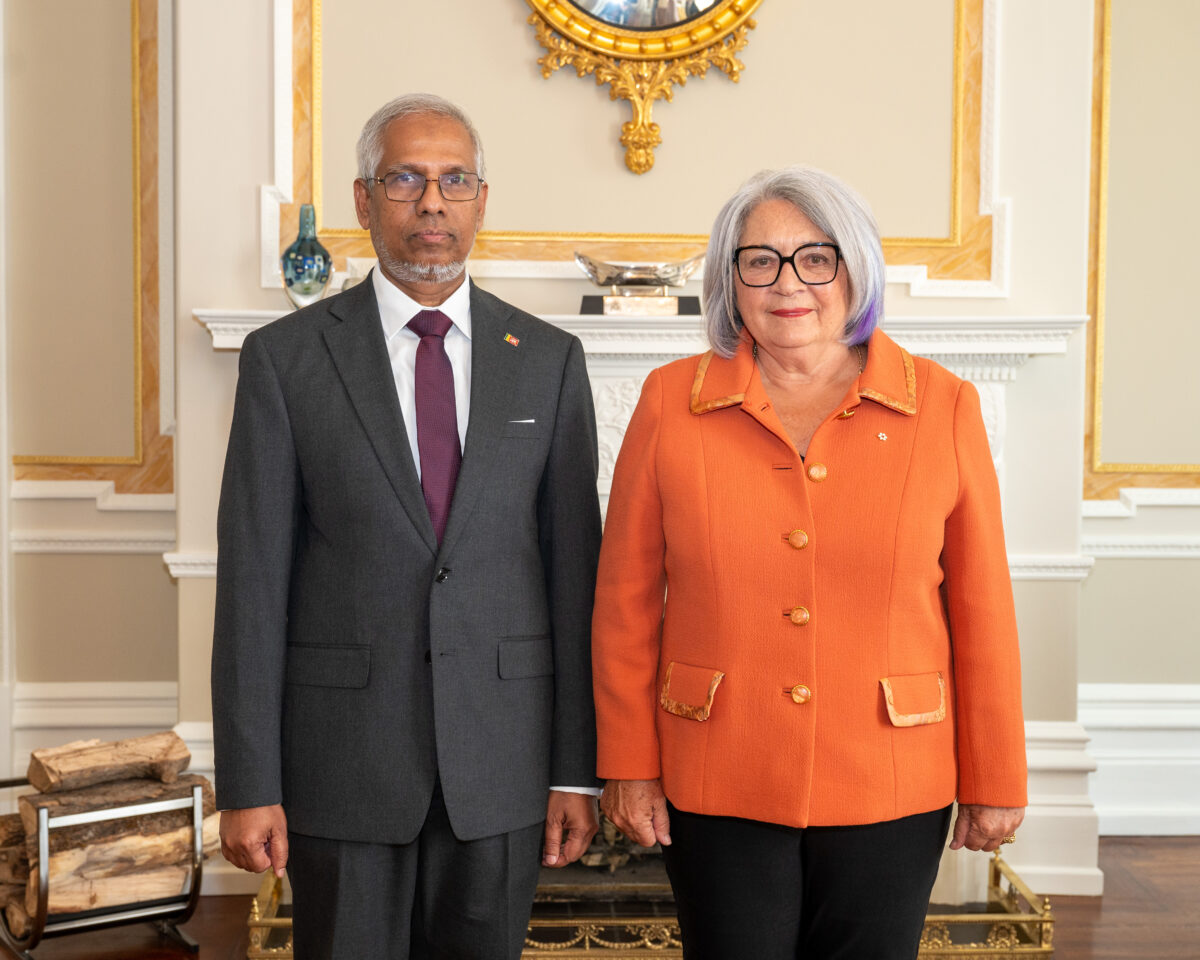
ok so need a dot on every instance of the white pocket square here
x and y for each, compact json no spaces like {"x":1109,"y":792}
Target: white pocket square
{"x":530,"y":420}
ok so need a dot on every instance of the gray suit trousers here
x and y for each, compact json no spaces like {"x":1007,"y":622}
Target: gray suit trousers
{"x":437,"y":898}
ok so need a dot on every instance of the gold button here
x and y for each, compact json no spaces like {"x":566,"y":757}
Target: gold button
{"x":798,"y":539}
{"x":801,"y":693}
{"x":798,"y":615}
{"x":817,"y":472}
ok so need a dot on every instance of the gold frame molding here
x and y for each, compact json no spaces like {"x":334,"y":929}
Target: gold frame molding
{"x":151,"y":467}
{"x":1104,"y":480}
{"x":642,"y":66}
{"x":964,"y":254}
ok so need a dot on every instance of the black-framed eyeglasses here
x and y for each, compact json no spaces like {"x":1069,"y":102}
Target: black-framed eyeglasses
{"x":814,"y":264}
{"x":405,"y":186}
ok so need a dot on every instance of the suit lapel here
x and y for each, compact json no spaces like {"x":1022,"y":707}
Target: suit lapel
{"x":360,"y":355}
{"x":494,"y":367}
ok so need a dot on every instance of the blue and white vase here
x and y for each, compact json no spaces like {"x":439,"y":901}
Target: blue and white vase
{"x":306,"y":264}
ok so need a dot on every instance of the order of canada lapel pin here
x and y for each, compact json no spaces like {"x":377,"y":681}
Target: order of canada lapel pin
{"x":509,"y":338}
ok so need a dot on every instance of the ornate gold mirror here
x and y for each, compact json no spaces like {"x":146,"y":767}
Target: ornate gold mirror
{"x":642,"y":49}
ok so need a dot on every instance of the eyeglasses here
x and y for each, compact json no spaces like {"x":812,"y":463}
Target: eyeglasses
{"x":404,"y":186}
{"x":814,"y":264}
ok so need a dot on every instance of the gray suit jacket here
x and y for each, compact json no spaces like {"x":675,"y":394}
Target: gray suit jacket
{"x":353,"y":659}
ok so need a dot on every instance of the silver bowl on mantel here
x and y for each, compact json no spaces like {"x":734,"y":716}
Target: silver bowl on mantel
{"x":622,"y":276}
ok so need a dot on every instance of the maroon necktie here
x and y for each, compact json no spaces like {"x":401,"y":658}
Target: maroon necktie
{"x":437,"y":421}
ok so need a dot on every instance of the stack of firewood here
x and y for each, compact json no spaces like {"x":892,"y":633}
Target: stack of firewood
{"x":111,"y":862}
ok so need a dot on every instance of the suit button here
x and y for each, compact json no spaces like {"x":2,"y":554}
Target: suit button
{"x":443,"y":575}
{"x":801,"y":693}
{"x":798,"y":615}
{"x":428,"y":656}
{"x":817,"y":472}
{"x":798,"y":539}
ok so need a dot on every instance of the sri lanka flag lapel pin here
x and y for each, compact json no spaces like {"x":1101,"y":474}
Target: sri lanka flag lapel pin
{"x":509,"y":338}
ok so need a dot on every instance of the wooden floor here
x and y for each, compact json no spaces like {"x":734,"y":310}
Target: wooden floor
{"x":1150,"y":911}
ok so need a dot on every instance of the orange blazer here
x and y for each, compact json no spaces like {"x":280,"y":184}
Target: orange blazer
{"x":838,"y":643}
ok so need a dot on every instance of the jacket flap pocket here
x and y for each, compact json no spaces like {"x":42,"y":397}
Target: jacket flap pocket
{"x":915,"y":699}
{"x":335,"y":665}
{"x":525,"y":657}
{"x":687,"y":691}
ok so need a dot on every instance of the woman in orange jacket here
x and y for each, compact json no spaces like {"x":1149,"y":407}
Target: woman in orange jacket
{"x":804,"y":642}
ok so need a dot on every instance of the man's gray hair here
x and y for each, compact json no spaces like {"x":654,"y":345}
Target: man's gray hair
{"x":370,"y":141}
{"x":835,"y":209}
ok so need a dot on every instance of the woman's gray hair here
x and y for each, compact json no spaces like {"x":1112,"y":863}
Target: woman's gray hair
{"x":835,"y":209}
{"x":370,"y":141}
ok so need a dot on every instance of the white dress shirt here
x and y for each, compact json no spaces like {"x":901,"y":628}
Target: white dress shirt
{"x":396,"y":309}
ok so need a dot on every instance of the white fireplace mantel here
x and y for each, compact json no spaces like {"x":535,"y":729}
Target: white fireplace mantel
{"x":979,"y":348}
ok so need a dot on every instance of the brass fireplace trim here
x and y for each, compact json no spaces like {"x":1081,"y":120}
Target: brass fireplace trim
{"x":1016,"y":922}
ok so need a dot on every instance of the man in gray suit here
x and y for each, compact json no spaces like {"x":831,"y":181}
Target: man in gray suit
{"x":408,"y":533}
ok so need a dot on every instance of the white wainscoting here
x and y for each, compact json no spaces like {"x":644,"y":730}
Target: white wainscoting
{"x":1144,"y":523}
{"x":1145,"y":738}
{"x":51,"y":714}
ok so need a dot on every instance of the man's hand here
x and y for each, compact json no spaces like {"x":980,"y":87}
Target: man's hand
{"x":569,"y":816}
{"x":638,"y":808}
{"x":982,"y":828}
{"x":255,"y":838}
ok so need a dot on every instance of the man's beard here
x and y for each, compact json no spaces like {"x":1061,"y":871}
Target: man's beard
{"x":407,"y":272}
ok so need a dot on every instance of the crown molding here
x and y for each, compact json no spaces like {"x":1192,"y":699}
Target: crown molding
{"x":1050,"y":567}
{"x":90,"y":541}
{"x":1165,"y":547}
{"x":196,"y":565}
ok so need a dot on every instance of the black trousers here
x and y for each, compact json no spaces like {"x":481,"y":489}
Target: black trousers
{"x":437,"y":898}
{"x":747,"y":890}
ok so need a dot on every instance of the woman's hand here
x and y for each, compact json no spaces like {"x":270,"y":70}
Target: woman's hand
{"x":983,"y":828}
{"x":638,"y":808}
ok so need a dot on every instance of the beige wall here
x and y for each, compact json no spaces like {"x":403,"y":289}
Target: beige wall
{"x":1151,"y":338}
{"x":87,"y":618}
{"x":1047,"y":616}
{"x":197,"y":599}
{"x":1139,"y":621}
{"x":67,"y":76}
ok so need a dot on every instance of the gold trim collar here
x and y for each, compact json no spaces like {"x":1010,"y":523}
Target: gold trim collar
{"x":889,"y":375}
{"x":889,"y":378}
